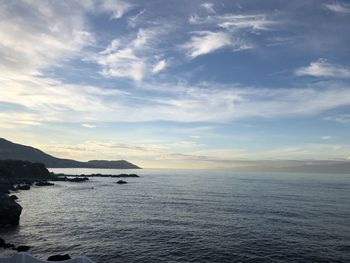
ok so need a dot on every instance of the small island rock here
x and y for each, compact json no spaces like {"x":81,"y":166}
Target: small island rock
{"x":23,"y":248}
{"x":121,"y":182}
{"x":59,"y":257}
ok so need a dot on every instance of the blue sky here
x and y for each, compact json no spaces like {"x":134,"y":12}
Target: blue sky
{"x":181,"y":84}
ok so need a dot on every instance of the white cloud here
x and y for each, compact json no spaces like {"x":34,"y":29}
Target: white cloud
{"x":231,"y":34}
{"x":47,"y":100}
{"x":322,"y":68}
{"x":205,"y":42}
{"x":235,"y":22}
{"x":209,"y":7}
{"x":159,"y":66}
{"x":46,"y":35}
{"x":89,"y":126}
{"x":132,"y":58}
{"x":338,"y":8}
{"x":134,"y":20}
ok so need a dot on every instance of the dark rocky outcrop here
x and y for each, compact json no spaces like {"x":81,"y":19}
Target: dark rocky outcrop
{"x":23,"y":248}
{"x":44,"y":183}
{"x":2,"y":243}
{"x":77,"y":179}
{"x":121,"y":182}
{"x":12,"y":169}
{"x":10,"y":211}
{"x":59,"y":257}
{"x":99,"y":175}
{"x":125,"y":175}
{"x":9,"y":246}
{"x":23,"y":187}
{"x":14,"y":197}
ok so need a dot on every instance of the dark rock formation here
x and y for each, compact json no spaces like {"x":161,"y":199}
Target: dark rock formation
{"x":5,"y":185}
{"x":9,"y":246}
{"x":59,"y":257}
{"x":23,"y":248}
{"x":101,"y":175}
{"x":23,"y":170}
{"x":44,"y":183}
{"x":125,"y":175}
{"x":14,"y":197}
{"x":121,"y":182}
{"x":10,"y":211}
{"x":2,"y":243}
{"x":23,"y":187}
{"x":77,"y":179}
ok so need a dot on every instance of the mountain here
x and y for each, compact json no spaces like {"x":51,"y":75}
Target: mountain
{"x":13,"y":151}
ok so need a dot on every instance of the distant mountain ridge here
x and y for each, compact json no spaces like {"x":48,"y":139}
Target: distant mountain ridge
{"x":14,"y":151}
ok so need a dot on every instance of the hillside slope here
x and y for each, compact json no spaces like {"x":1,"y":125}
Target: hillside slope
{"x":13,"y":151}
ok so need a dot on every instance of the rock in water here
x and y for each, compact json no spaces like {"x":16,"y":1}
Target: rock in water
{"x":2,"y":242}
{"x":10,"y":211}
{"x":14,"y":197}
{"x":59,"y":257}
{"x":23,"y":187}
{"x":121,"y":182}
{"x":23,"y":248}
{"x":44,"y":183}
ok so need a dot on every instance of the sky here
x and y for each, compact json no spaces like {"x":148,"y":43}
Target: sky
{"x":177,"y":83}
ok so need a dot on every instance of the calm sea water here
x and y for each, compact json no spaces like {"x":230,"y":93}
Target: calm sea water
{"x":190,"y":216}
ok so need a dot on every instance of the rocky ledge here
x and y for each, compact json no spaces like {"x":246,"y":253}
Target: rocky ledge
{"x":10,"y":211}
{"x":18,"y":175}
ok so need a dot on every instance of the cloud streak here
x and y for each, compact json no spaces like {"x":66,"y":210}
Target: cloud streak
{"x":322,"y":68}
{"x":230,"y":34}
{"x":337,"y":7}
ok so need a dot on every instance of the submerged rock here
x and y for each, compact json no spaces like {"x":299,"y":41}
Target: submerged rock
{"x":59,"y":257}
{"x":121,"y":182}
{"x":10,"y":211}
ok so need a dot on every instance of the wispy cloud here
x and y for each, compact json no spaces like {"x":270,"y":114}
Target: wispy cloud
{"x":132,"y":58}
{"x":232,"y":29}
{"x":235,"y":22}
{"x":209,"y":7}
{"x":46,"y":35}
{"x":133,"y":21}
{"x":54,"y":101}
{"x":159,"y":66}
{"x":88,"y":125}
{"x":322,"y":68}
{"x":117,"y":8}
{"x":205,"y":42}
{"x":338,"y":7}
{"x":341,"y":118}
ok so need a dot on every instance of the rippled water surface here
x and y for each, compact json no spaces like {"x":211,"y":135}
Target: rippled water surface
{"x":190,"y":216}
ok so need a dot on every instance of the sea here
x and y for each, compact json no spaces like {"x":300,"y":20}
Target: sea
{"x":189,"y":216}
